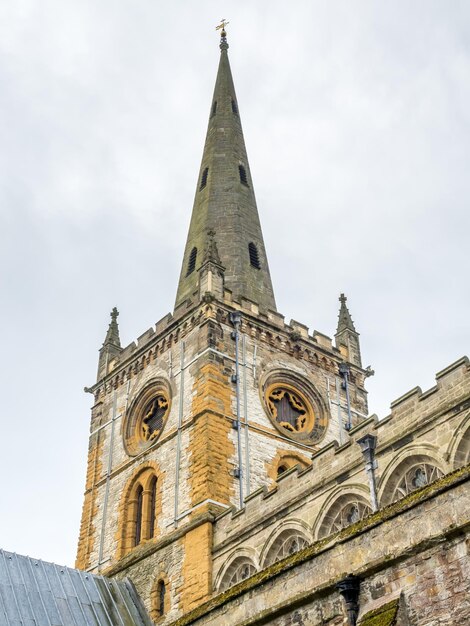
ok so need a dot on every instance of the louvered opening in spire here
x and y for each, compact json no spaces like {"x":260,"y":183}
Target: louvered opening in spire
{"x":225,"y":202}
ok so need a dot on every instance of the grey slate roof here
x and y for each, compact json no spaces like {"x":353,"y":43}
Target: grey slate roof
{"x":36,"y":593}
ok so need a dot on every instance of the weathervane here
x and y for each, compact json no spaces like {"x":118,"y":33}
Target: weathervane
{"x":221,"y":26}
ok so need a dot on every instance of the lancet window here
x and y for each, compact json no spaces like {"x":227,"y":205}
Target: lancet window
{"x":160,"y":597}
{"x":139,"y":511}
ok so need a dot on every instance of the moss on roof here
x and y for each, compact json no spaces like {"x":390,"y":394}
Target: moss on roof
{"x":385,"y":615}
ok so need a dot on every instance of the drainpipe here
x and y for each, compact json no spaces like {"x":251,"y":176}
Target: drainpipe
{"x":368,"y":443}
{"x":340,"y":417}
{"x":245,"y":415}
{"x":236,"y":319}
{"x":178,"y":438}
{"x":349,"y":589}
{"x":344,"y":373}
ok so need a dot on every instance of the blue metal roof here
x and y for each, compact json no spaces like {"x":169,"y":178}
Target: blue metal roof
{"x":36,"y":593}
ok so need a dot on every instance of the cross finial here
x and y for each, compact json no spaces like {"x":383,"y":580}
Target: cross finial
{"x":114,"y":314}
{"x":342,"y":298}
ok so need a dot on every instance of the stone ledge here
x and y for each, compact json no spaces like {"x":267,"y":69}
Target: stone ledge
{"x":145,"y":550}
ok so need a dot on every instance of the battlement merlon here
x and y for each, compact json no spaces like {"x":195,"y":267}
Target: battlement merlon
{"x":268,"y":327}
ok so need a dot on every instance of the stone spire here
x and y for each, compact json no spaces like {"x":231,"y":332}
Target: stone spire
{"x":112,"y":336}
{"x":225,"y":203}
{"x":344,"y":320}
{"x":347,"y":338}
{"x":111,"y":348}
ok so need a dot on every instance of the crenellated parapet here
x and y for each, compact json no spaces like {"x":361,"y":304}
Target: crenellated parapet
{"x":270,"y":329}
{"x":425,"y":436}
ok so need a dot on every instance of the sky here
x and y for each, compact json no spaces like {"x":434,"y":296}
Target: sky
{"x":357,"y":123}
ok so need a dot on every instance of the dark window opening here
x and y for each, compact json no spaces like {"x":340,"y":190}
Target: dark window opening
{"x":281,"y":469}
{"x":214,"y":108}
{"x":204,"y":178}
{"x":139,"y":496}
{"x":243,"y":178}
{"x":192,"y":262}
{"x":153,"y":505}
{"x":234,"y":107}
{"x":254,"y":256}
{"x":161,"y":592}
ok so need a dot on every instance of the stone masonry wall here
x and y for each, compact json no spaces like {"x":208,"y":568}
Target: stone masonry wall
{"x":432,"y":427}
{"x":416,"y":550}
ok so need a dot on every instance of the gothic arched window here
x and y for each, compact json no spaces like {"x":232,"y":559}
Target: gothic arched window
{"x":415,"y":478}
{"x":161,"y":592}
{"x":240,"y":569}
{"x":288,"y":542}
{"x":139,"y":508}
{"x":346,"y":510}
{"x":412,"y":472}
{"x":160,"y":597}
{"x":349,"y":514}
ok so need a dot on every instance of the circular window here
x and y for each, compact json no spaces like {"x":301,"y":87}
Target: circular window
{"x":146,"y":417}
{"x":294,"y":408}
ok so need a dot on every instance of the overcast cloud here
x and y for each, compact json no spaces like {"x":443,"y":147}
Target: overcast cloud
{"x":357,"y":123}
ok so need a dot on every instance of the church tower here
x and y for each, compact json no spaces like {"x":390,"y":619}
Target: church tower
{"x":214,"y":401}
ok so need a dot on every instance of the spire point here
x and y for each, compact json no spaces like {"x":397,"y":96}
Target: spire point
{"x":112,"y":336}
{"x":345,"y":321}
